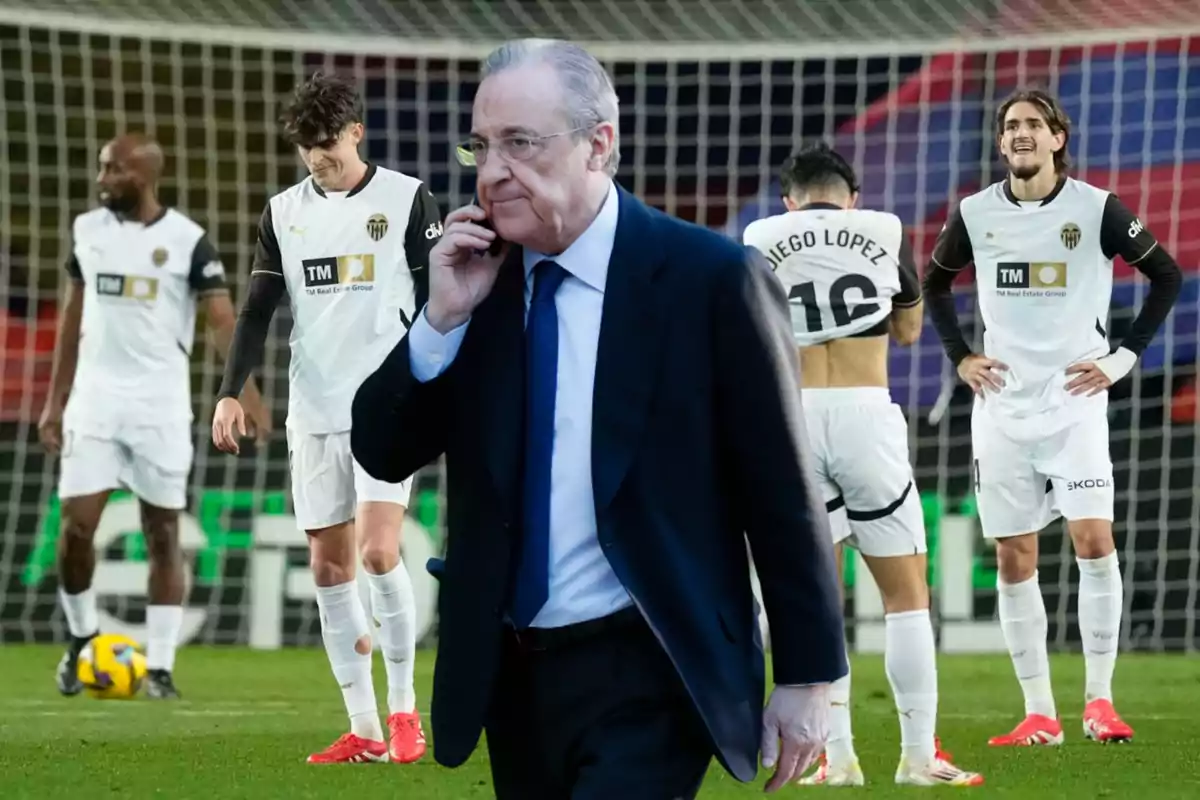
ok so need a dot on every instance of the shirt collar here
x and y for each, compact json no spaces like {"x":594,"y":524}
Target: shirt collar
{"x":358,"y":187}
{"x":587,"y":257}
{"x":1045,"y":201}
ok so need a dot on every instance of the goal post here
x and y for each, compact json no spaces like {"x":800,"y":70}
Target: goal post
{"x":714,"y":95}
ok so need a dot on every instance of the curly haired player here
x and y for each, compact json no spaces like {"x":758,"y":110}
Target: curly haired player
{"x":349,"y":245}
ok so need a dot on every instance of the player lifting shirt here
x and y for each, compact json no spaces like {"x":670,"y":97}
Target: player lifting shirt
{"x":852,"y":282}
{"x":1043,"y":245}
{"x":349,"y":245}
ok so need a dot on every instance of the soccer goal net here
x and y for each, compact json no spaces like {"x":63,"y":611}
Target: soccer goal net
{"x":713,"y":97}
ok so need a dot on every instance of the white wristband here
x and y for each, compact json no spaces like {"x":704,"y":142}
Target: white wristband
{"x":1117,"y":365}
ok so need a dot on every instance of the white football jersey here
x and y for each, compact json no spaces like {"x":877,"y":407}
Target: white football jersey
{"x":140,"y":283}
{"x":1043,"y":271}
{"x":356,"y":268}
{"x":843,"y":269}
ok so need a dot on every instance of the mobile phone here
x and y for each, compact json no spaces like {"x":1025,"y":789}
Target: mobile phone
{"x":497,"y":243}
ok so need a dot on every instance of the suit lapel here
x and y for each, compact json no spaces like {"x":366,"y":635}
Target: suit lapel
{"x":503,"y":386}
{"x":629,"y":348}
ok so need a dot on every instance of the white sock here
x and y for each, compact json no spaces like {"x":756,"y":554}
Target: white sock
{"x":910,"y":659}
{"x":343,"y":623}
{"x":80,"y":611}
{"x":396,"y":615}
{"x":839,"y":747}
{"x":163,"y":624}
{"x":1023,"y":620}
{"x":1101,"y":596}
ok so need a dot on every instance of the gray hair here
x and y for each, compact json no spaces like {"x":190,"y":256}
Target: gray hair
{"x":588,"y":94}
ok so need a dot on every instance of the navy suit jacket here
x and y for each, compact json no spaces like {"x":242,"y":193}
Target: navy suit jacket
{"x":698,"y":444}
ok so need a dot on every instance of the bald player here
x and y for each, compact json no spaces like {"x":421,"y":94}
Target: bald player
{"x":119,"y":411}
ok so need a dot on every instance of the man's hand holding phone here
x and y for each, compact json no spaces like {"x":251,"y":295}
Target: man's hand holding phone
{"x":462,"y":268}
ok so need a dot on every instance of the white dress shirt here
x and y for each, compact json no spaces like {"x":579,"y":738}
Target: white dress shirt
{"x":582,"y":583}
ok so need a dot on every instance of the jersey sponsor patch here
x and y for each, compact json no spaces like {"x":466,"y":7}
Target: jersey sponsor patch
{"x":1089,"y":483}
{"x":333,"y":274}
{"x":1031,"y":276}
{"x":134,"y":287}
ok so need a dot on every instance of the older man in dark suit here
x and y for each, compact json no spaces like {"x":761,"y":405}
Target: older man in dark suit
{"x":616,"y":393}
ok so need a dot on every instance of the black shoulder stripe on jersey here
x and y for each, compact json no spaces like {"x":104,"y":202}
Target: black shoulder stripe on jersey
{"x":951,"y":254}
{"x":206,"y":274}
{"x":424,"y":230}
{"x":267,"y":257}
{"x":1123,"y":234}
{"x":953,"y":250}
{"x":73,"y":268}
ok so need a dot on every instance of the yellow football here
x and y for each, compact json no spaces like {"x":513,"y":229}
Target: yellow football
{"x":112,"y":667}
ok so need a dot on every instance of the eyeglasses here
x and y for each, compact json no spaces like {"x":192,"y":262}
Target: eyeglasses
{"x":518,"y":147}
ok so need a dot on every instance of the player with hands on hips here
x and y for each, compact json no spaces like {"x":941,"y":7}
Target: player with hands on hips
{"x":982,"y":373}
{"x":1043,"y":246}
{"x":1091,"y":377}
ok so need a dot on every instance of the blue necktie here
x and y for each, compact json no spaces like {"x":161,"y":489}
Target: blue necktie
{"x":541,"y":381}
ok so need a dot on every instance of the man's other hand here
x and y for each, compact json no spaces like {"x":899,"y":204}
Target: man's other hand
{"x":798,"y":718}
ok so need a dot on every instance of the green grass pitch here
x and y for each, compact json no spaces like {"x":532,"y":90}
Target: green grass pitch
{"x":250,"y":718}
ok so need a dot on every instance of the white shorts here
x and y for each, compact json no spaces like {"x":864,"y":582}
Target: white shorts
{"x":328,"y":484}
{"x":152,"y":461}
{"x":860,"y":441}
{"x":1027,"y":476}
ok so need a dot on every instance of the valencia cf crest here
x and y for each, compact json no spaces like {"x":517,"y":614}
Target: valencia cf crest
{"x":159,"y":256}
{"x":1070,"y":235}
{"x":377,"y":226}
